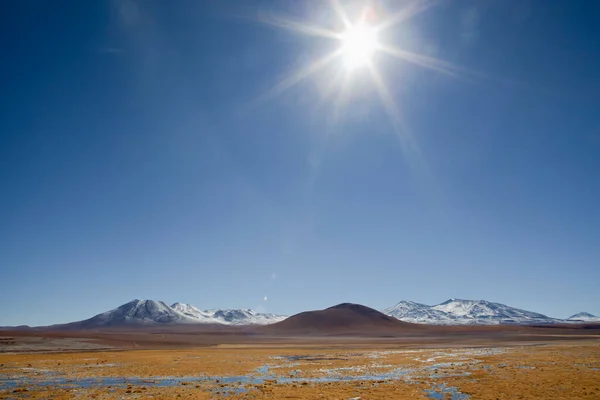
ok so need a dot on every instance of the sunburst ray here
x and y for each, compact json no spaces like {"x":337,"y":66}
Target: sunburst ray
{"x":295,"y":26}
{"x":341,"y":13}
{"x":407,"y":141}
{"x":298,"y":76}
{"x":411,"y":10}
{"x":424,"y":61}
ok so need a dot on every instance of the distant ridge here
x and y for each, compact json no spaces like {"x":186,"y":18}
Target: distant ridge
{"x":583,"y":317}
{"x":466,"y":312}
{"x":353,"y":316}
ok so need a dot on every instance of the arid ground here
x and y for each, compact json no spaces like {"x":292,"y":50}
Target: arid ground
{"x":444,"y":363}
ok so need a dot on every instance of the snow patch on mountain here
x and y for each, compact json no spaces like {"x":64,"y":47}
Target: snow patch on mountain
{"x":409,"y":311}
{"x":192,"y":312}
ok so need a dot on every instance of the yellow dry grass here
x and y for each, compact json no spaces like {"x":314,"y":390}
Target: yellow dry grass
{"x":556,"y":371}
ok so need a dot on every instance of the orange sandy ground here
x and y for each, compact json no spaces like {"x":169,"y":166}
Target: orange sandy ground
{"x":555,"y":371}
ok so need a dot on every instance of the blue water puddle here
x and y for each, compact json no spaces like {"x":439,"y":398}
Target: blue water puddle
{"x":224,"y":386}
{"x":264,"y":370}
{"x":174,"y":381}
{"x":449,"y":375}
{"x":444,"y":365}
{"x":85,"y":383}
{"x":442,"y":391}
{"x":229,"y":385}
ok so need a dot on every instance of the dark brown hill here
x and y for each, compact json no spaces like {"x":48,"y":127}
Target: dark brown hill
{"x":343,"y":319}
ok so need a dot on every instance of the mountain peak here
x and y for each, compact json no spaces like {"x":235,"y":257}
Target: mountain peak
{"x":346,"y":305}
{"x":455,"y":300}
{"x":408,"y":302}
{"x":182,"y":306}
{"x":584,"y":316}
{"x":137,"y":312}
{"x":358,"y":309}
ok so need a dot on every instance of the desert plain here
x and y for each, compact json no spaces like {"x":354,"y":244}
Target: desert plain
{"x":240,"y":363}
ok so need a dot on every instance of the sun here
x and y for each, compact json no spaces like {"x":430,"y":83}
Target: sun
{"x":359,"y":43}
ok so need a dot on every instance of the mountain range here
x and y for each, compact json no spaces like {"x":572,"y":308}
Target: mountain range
{"x":466,"y":312}
{"x":450,"y":312}
{"x":151,"y":312}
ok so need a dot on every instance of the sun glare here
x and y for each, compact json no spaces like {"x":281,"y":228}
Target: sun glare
{"x":359,"y":43}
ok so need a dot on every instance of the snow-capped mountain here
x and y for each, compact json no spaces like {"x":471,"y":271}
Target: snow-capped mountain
{"x":246,"y":317}
{"x":150,"y":312}
{"x":137,"y":312}
{"x":458,"y":312}
{"x":482,"y":310}
{"x":228,"y":317}
{"x":409,"y":311}
{"x":583,"y":317}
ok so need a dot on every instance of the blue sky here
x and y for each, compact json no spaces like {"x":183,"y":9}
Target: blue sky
{"x":141,"y":156}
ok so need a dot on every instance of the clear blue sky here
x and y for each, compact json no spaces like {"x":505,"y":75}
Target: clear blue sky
{"x":140,"y":158}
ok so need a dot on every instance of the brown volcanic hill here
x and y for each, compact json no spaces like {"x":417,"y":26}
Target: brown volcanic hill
{"x":345,"y":319}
